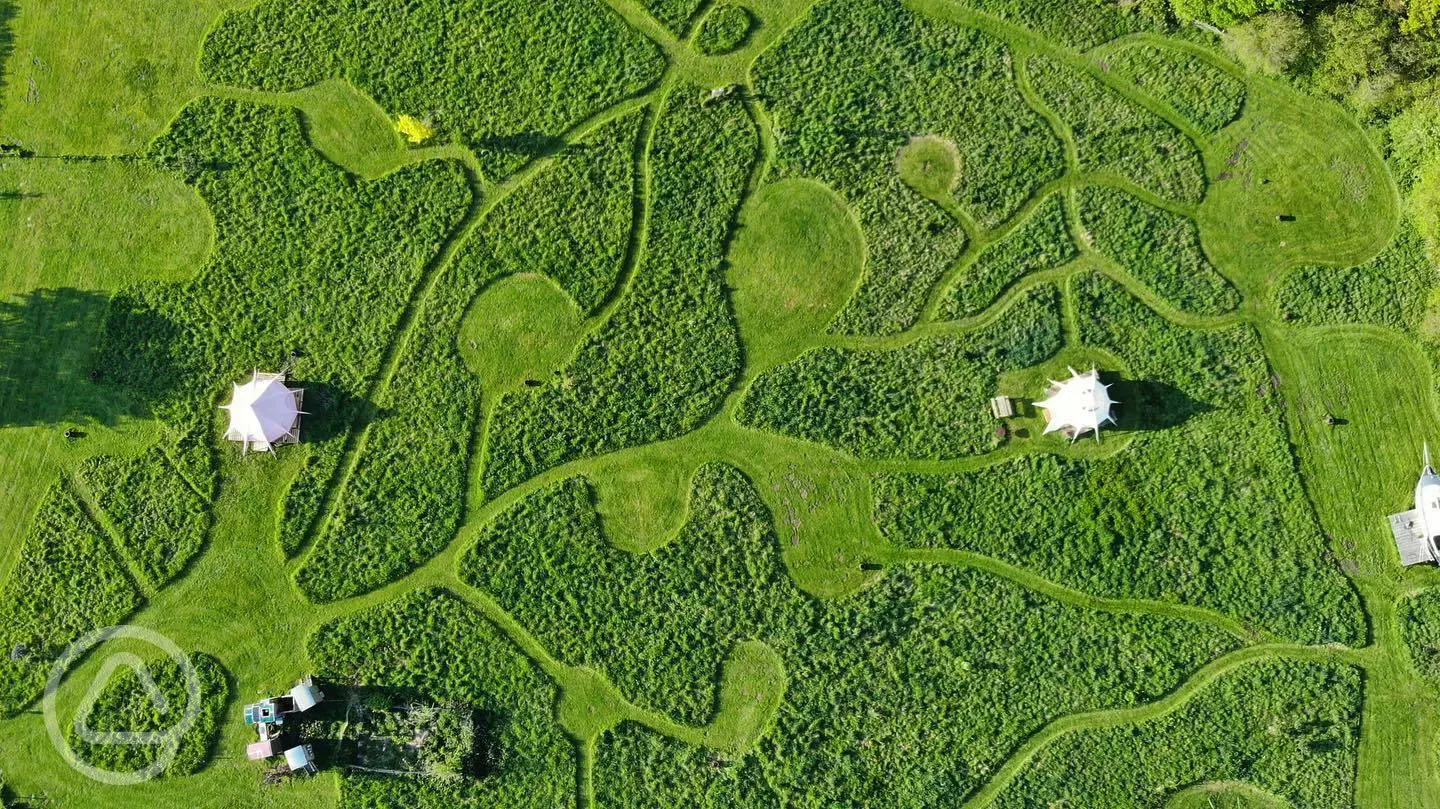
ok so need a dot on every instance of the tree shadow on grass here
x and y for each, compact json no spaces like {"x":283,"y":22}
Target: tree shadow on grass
{"x":47,"y":351}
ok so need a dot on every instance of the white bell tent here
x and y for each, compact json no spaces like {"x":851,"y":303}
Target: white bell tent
{"x":263,"y":412}
{"x":1078,"y":405}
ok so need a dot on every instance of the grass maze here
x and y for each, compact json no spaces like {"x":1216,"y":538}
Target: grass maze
{"x":649,"y":412}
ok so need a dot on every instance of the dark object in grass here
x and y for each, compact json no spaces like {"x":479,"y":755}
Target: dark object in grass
{"x":71,"y":433}
{"x":96,"y":375}
{"x":871,"y":566}
{"x":1335,"y":421}
{"x":1285,"y":217}
{"x":533,"y":383}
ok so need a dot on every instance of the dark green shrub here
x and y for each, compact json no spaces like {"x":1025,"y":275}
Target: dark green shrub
{"x":1392,"y":289}
{"x":312,"y":268}
{"x":1420,"y":618}
{"x":1160,"y":248}
{"x":665,"y":359}
{"x":1078,"y":25}
{"x":850,"y":86}
{"x":161,"y":522}
{"x":727,"y":27}
{"x":673,"y":14}
{"x":1114,"y":133}
{"x":416,"y":457}
{"x":1206,"y":95}
{"x":571,"y":223}
{"x":429,"y":645}
{"x":916,"y":686}
{"x":1289,"y":728}
{"x":1178,"y":514}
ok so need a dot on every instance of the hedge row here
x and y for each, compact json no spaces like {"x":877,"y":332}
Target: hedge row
{"x":665,"y":359}
{"x":915,"y":687}
{"x":126,"y":706}
{"x":851,"y":85}
{"x":928,"y":399}
{"x":67,"y":581}
{"x":162,"y":523}
{"x":1160,"y":248}
{"x":505,"y":77}
{"x":1206,"y":95}
{"x":429,"y":646}
{"x":1288,"y":728}
{"x":1041,"y":242}
{"x":1204,"y":507}
{"x":1114,"y":133}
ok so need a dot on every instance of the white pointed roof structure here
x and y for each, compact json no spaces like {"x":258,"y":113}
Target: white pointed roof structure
{"x":1078,"y":405}
{"x":263,"y":412}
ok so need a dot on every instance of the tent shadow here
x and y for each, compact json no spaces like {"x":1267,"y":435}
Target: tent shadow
{"x":330,"y":411}
{"x":1145,"y":405}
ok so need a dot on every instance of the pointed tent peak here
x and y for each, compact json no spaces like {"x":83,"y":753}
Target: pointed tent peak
{"x":1078,"y":405}
{"x":264,"y":412}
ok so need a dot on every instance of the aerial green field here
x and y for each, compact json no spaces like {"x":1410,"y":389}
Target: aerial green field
{"x":647,"y":455}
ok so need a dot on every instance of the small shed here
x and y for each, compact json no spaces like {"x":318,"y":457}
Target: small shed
{"x":305,"y":696}
{"x":259,"y":751}
{"x":301,"y":759}
{"x":265,"y":712}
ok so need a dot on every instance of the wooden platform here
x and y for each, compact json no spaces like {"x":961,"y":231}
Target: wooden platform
{"x":1411,"y":543}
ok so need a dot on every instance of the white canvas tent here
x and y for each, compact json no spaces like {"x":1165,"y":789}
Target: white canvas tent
{"x":1078,"y":405}
{"x":263,"y":412}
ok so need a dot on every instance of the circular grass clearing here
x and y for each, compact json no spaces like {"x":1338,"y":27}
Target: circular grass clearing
{"x":519,"y":332}
{"x":725,"y":29}
{"x":794,"y":263}
{"x":929,"y":164}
